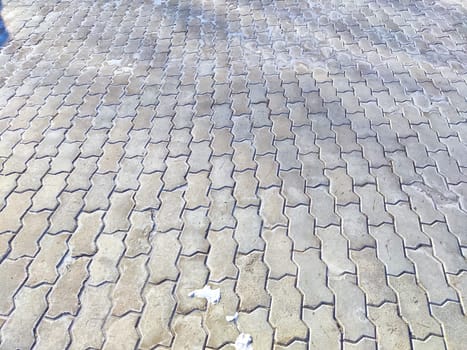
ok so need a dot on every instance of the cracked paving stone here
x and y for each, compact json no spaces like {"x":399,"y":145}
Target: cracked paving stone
{"x":193,"y":236}
{"x":193,"y":275}
{"x":103,"y":267}
{"x":53,"y":333}
{"x":256,"y":324}
{"x":116,"y":218}
{"x":391,"y":330}
{"x":83,"y":240}
{"x":390,"y":250}
{"x":251,"y":281}
{"x":453,"y":323}
{"x":312,"y":279}
{"x":414,"y":307}
{"x":164,"y":255}
{"x":189,"y":332}
{"x":43,"y":268}
{"x":221,"y":255}
{"x":147,"y":196}
{"x":350,"y":308}
{"x":219,"y":330}
{"x":430,"y":275}
{"x":64,"y":297}
{"x":13,"y":273}
{"x":293,"y":188}
{"x":18,"y":330}
{"x":286,"y":303}
{"x":372,"y":277}
{"x":120,"y":333}
{"x":154,"y":325}
{"x":278,"y":253}
{"x":301,"y":228}
{"x":324,"y":330}
{"x":126,"y":295}
{"x":25,"y":242}
{"x":334,"y":251}
{"x":272,"y":207}
{"x":220,"y":212}
{"x":87,"y":328}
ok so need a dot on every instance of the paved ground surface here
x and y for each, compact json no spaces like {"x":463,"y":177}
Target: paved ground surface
{"x":307,"y":158}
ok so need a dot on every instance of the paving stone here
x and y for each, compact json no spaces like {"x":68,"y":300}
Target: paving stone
{"x":31,"y":179}
{"x":364,"y":344}
{"x":64,"y":296}
{"x":174,"y":175}
{"x":18,"y":330}
{"x":372,"y":205}
{"x":220,"y":212}
{"x":53,"y":333}
{"x":277,"y":254}
{"x":293,"y":188}
{"x":390,"y":328}
{"x":312,"y":281}
{"x":83,"y":175}
{"x":372,"y":277}
{"x":453,"y":323}
{"x":164,"y":254}
{"x":87,"y":328}
{"x":25,"y":242}
{"x":324,"y":330}
{"x":82,"y":241}
{"x":243,"y":157}
{"x":272,"y":207}
{"x":199,"y":157}
{"x":193,"y":275}
{"x":267,"y":171}
{"x":459,"y":282}
{"x":120,"y":332}
{"x":285,"y":310}
{"x":431,"y":276}
{"x":157,"y":313}
{"x":256,"y":324}
{"x":446,"y":248}
{"x":322,"y":207}
{"x":414,"y":307}
{"x":218,"y":329}
{"x":47,"y":196}
{"x":263,"y":141}
{"x":301,"y":228}
{"x":103,"y":267}
{"x":221,"y":255}
{"x":189,"y":332}
{"x":350,"y":308}
{"x":43,"y":269}
{"x":407,"y":225}
{"x":13,"y":273}
{"x":193,"y":235}
{"x":334,"y":251}
{"x":313,"y":170}
{"x":126,"y":296}
{"x":221,"y":172}
{"x":116,"y":218}
{"x":155,"y":157}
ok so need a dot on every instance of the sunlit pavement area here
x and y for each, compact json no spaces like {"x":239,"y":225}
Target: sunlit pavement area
{"x":305,"y":160}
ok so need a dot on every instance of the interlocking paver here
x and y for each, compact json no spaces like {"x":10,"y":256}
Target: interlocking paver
{"x":308,"y":159}
{"x":285,"y":310}
{"x":350,"y":308}
{"x":414,"y":307}
{"x":31,"y":305}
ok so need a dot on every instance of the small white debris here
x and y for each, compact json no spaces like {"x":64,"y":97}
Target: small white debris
{"x":211,"y":295}
{"x":244,"y":342}
{"x":232,"y":318}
